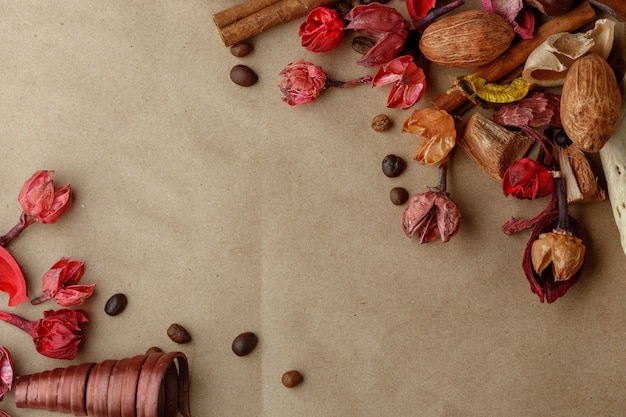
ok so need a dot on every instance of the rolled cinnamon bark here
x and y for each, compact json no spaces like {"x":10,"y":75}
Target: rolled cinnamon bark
{"x":239,"y":11}
{"x":452,"y":100}
{"x":277,"y":13}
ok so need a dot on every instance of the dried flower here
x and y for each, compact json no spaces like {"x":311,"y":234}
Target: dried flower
{"x":409,"y":81}
{"x":40,"y":202}
{"x":536,"y":110}
{"x":322,"y":30}
{"x":12,"y":279}
{"x":303,"y":82}
{"x":514,"y":12}
{"x":418,"y":9}
{"x":564,"y":251}
{"x":6,"y":372}
{"x":527,"y":179}
{"x":437,"y":128}
{"x":60,"y":282}
{"x":383,"y":23}
{"x":432,"y":214}
{"x":57,"y":335}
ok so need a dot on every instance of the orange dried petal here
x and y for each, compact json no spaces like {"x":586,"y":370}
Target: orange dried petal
{"x":434,"y":150}
{"x":541,"y":252}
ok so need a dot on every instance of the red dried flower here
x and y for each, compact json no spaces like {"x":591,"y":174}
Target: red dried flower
{"x":11,"y":278}
{"x":418,"y":9}
{"x":409,"y":81}
{"x":60,"y":282}
{"x":322,"y":30}
{"x":6,"y":372}
{"x":57,"y":335}
{"x":383,"y":23}
{"x":527,"y":179}
{"x":40,"y":200}
{"x":431,"y":215}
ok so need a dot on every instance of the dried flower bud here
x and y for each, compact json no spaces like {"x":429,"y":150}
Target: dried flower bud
{"x":322,"y":30}
{"x":431,"y":215}
{"x":565,"y":252}
{"x":527,"y":179}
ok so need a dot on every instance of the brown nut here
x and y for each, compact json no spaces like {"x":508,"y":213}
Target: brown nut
{"x":291,"y":378}
{"x":115,"y":304}
{"x":244,"y":344}
{"x":178,"y":333}
{"x":467,"y":39}
{"x":591,"y":102}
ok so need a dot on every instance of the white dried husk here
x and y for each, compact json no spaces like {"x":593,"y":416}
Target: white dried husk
{"x":547,"y":65}
{"x":613,"y":158}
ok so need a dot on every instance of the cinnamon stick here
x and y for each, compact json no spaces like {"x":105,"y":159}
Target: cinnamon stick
{"x":239,"y":11}
{"x":256,"y":16}
{"x":452,"y":100}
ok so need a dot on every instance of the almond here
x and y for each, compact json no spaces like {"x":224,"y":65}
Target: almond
{"x":467,"y":39}
{"x":591,"y":103}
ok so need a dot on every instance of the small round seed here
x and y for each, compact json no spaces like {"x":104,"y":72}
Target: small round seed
{"x":381,"y":122}
{"x":562,"y":139}
{"x":241,"y":49}
{"x":178,"y":333}
{"x":243,"y":75}
{"x":244,"y":343}
{"x":362,"y":44}
{"x":393,"y":165}
{"x":291,"y":378}
{"x":115,"y":304}
{"x":398,"y":196}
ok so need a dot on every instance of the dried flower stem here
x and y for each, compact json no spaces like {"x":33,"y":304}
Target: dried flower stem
{"x":562,"y":204}
{"x":347,"y":84}
{"x":20,"y":322}
{"x":25,"y":221}
{"x":443,"y":174}
{"x":421,"y":24}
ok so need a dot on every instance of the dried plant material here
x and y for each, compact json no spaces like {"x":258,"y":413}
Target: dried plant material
{"x":581,"y":184}
{"x":492,"y":147}
{"x":539,"y":109}
{"x":490,"y":95}
{"x":548,"y":64}
{"x":590,"y":102}
{"x":613,"y":158}
{"x":437,"y":129}
{"x":564,"y":251}
{"x":616,"y":8}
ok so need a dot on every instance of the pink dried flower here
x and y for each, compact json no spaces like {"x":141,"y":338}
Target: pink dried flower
{"x":322,"y":30}
{"x":538,"y":109}
{"x":409,"y":81}
{"x":61,"y":283}
{"x":7,"y":373}
{"x":513,"y":11}
{"x":303,"y":82}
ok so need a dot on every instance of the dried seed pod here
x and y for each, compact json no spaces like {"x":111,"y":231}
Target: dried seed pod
{"x":467,"y":39}
{"x":178,"y":333}
{"x":564,"y":251}
{"x":381,"y":122}
{"x":492,"y":147}
{"x":591,"y":102}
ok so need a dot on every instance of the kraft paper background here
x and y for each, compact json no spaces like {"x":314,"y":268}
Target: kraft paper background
{"x":223,"y":209}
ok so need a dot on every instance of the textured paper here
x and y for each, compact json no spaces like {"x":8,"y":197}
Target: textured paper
{"x":223,"y":209}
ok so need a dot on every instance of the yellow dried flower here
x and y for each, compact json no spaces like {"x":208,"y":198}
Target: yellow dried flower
{"x":564,"y":251}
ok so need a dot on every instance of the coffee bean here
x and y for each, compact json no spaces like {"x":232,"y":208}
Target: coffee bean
{"x":241,"y":49}
{"x":178,"y":333}
{"x":362,"y":44}
{"x":244,"y":343}
{"x":116,"y":304}
{"x":291,"y":378}
{"x":393,"y":165}
{"x":243,"y":75}
{"x":398,"y":196}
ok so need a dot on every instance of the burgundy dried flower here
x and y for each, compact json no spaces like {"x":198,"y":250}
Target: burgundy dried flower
{"x":322,"y":30}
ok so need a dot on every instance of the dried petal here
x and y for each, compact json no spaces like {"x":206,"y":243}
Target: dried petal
{"x":375,"y":20}
{"x":418,"y":9}
{"x":6,"y":371}
{"x":538,"y":109}
{"x":322,"y":30}
{"x":409,"y":81}
{"x":487,"y":95}
{"x":60,"y":282}
{"x":385,"y":49}
{"x":437,"y":128}
{"x":11,"y":278}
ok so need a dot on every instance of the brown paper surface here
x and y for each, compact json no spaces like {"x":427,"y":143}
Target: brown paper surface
{"x":223,"y":209}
